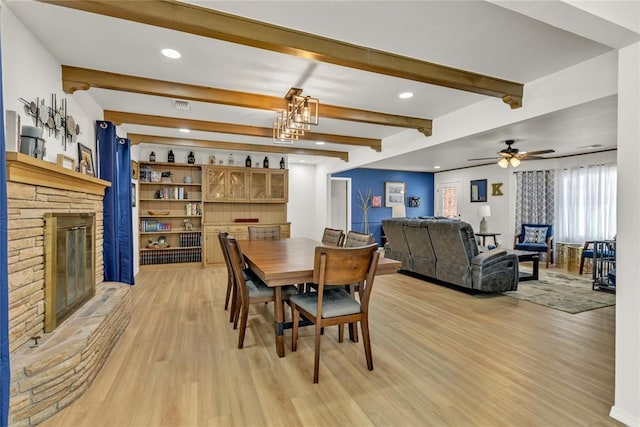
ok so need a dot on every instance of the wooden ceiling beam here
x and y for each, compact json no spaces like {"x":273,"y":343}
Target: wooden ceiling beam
{"x":75,"y":78}
{"x":210,"y":23}
{"x":120,"y":117}
{"x":221,"y":145}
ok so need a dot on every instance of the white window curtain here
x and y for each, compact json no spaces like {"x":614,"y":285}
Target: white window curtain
{"x":586,"y":203}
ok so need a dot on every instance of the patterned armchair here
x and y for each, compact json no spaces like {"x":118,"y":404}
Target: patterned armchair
{"x":536,"y":238}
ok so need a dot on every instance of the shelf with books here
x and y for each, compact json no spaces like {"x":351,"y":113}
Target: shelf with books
{"x":170,"y":232}
{"x":170,"y":214}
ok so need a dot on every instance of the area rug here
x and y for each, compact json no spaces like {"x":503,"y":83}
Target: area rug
{"x":563,"y":291}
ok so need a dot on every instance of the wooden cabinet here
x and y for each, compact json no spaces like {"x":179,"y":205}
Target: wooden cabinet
{"x":170,"y":214}
{"x":224,"y":184}
{"x":236,"y":184}
{"x":232,"y":195}
{"x":212,"y":249}
{"x":269,"y":186}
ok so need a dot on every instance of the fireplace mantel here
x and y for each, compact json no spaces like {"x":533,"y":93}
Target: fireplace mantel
{"x":29,"y":170}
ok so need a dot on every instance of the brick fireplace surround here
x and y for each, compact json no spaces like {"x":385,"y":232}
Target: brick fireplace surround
{"x":48,"y":377}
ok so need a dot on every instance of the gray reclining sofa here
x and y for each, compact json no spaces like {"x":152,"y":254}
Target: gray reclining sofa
{"x":446,"y":250}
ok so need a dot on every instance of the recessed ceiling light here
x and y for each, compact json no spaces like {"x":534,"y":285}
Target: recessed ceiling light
{"x":319,"y":142}
{"x":436,"y":167}
{"x":183,"y":130}
{"x":301,"y":161}
{"x":405,"y":95}
{"x":171,"y":53}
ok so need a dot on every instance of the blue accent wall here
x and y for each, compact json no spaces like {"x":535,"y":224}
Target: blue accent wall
{"x":419,"y":184}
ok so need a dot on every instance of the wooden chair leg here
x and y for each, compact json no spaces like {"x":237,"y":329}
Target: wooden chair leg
{"x":341,"y":332}
{"x":226,"y":299}
{"x":243,"y":326}
{"x":581,"y":265}
{"x":236,"y":314}
{"x":364,"y":324}
{"x":316,"y":360}
{"x":548,"y":258}
{"x":295,"y":317}
{"x":353,"y":332}
{"x":234,"y":305}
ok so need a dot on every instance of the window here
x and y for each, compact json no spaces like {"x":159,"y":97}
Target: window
{"x":450,"y":201}
{"x":586,"y":203}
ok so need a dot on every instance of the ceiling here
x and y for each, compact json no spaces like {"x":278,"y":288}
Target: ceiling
{"x":496,"y":42}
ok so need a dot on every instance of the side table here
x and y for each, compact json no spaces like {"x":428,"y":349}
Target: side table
{"x":527,"y":256}
{"x":485,"y":235}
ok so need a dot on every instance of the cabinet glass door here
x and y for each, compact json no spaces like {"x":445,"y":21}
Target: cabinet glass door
{"x":258,"y":185}
{"x":215,"y":184}
{"x":238,"y":185}
{"x":277,"y":186}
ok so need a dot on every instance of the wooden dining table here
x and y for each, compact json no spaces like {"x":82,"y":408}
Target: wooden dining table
{"x":289,"y":262}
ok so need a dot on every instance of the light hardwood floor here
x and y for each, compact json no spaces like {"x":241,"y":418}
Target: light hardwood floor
{"x":441,"y":358}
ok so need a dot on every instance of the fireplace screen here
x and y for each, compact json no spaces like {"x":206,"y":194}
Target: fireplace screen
{"x":69,"y":264}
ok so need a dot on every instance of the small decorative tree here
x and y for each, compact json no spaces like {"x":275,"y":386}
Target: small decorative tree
{"x":365,"y":203}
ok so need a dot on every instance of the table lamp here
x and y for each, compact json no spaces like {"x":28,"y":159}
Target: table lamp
{"x":399,"y":211}
{"x":484,"y":212}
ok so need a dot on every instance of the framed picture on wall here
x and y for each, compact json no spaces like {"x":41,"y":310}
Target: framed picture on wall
{"x":376,"y":201}
{"x":394,"y":194}
{"x":85,"y":160}
{"x":479,"y":190}
{"x":135,"y":172}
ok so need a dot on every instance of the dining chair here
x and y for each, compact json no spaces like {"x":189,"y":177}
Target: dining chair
{"x":249,"y":290}
{"x":355,"y":239}
{"x":334,"y":268}
{"x":264,"y":233}
{"x":232,"y":293}
{"x":332,"y":237}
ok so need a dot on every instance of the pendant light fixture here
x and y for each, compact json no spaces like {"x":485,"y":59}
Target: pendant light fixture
{"x":299,"y":114}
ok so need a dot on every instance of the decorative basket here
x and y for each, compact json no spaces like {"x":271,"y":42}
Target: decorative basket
{"x":158,"y":213}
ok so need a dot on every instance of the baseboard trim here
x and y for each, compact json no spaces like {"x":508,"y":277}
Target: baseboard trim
{"x":624,"y":416}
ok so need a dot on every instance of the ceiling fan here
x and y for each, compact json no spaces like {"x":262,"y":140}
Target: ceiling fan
{"x":513,"y":156}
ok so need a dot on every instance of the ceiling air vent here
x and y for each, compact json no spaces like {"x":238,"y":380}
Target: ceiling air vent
{"x":181,"y":105}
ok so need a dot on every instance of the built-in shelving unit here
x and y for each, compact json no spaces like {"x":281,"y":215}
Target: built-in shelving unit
{"x":210,"y":199}
{"x":170,"y":215}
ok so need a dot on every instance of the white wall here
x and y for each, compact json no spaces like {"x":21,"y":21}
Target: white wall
{"x":627,"y":392}
{"x":302,"y":207}
{"x":29,"y":71}
{"x":502,"y":218}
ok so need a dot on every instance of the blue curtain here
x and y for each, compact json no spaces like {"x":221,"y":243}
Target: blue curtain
{"x":5,"y":370}
{"x":114,"y":165}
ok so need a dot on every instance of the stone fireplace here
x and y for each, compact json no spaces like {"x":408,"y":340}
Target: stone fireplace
{"x":49,"y":370}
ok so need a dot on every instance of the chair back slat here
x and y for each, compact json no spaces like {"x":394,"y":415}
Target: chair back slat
{"x":355,"y":239}
{"x":271,"y":232}
{"x":347,"y":265}
{"x":332,"y":237}
{"x":222,"y":236}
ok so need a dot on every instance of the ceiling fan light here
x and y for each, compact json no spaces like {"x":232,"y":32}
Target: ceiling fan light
{"x":503,"y":163}
{"x":515,"y":162}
